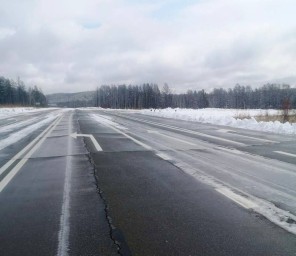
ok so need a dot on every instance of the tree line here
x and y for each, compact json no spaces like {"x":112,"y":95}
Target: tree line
{"x":239,"y":97}
{"x":15,"y":93}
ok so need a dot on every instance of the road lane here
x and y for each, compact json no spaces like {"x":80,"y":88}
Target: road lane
{"x":269,"y":179}
{"x":22,"y":157}
{"x":51,"y":206}
{"x":157,"y":209}
{"x":253,"y":139}
{"x":15,"y":137}
{"x":22,"y":120}
{"x":141,"y":199}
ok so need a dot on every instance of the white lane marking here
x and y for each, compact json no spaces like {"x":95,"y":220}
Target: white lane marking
{"x":187,"y":131}
{"x":94,"y":141}
{"x":100,"y":119}
{"x":15,"y":170}
{"x":63,"y":246}
{"x":265,"y":208}
{"x":164,"y":156}
{"x":285,"y":153}
{"x":224,"y":130}
{"x":242,"y":201}
{"x":171,"y":137}
{"x":232,"y":150}
{"x":245,"y":136}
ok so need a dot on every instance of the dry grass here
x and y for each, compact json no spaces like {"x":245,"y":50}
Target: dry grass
{"x":280,"y":118}
{"x":266,"y":117}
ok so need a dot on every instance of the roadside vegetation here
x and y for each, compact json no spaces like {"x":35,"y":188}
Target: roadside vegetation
{"x":281,"y":117}
{"x":269,"y":115}
{"x":269,"y":96}
{"x":16,"y":94}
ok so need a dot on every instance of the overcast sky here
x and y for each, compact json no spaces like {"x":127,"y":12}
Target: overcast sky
{"x":71,"y":45}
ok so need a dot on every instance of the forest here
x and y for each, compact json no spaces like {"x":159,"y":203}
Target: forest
{"x":275,"y":96}
{"x":15,"y":93}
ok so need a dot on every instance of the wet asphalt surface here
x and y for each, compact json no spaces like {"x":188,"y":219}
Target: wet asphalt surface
{"x":124,"y":200}
{"x":31,"y":205}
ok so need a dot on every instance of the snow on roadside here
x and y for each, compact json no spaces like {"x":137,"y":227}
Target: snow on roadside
{"x":14,"y":126}
{"x":15,"y":137}
{"x":226,"y":117}
{"x":10,"y":112}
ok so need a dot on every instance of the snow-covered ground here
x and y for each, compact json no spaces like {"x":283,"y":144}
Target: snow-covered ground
{"x":227,"y":117}
{"x":10,"y":112}
{"x":19,"y":130}
{"x":16,"y":136}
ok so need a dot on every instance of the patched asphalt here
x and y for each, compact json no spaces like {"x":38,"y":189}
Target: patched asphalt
{"x":157,"y":209}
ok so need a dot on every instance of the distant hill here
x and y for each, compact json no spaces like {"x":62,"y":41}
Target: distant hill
{"x":79,"y":99}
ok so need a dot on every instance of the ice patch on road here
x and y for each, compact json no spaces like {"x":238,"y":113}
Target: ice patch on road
{"x":225,"y":117}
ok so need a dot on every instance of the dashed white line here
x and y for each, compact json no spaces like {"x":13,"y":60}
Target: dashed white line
{"x":242,"y":201}
{"x":101,"y":119}
{"x":171,"y":137}
{"x":285,"y":153}
{"x":188,"y":131}
{"x":245,"y":136}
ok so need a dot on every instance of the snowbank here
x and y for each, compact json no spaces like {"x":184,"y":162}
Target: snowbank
{"x":226,"y":117}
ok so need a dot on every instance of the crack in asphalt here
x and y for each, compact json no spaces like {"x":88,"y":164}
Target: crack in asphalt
{"x":115,"y":234}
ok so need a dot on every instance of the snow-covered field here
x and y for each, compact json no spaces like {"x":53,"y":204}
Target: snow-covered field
{"x":10,"y":112}
{"x":227,"y":117}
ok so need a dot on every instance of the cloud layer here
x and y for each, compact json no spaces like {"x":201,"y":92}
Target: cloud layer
{"x":70,"y":46}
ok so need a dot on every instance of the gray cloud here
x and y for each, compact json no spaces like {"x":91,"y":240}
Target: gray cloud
{"x":78,"y":45}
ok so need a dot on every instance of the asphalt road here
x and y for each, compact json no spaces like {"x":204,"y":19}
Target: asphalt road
{"x":140,"y":185}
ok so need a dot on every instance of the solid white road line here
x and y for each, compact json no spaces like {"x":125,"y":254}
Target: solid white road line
{"x":164,"y":156}
{"x":242,"y":201}
{"x":101,"y":119}
{"x":245,"y":136}
{"x":171,"y":137}
{"x":15,"y":170}
{"x":265,"y":208}
{"x":94,"y":141}
{"x":285,"y":153}
{"x":187,"y":131}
